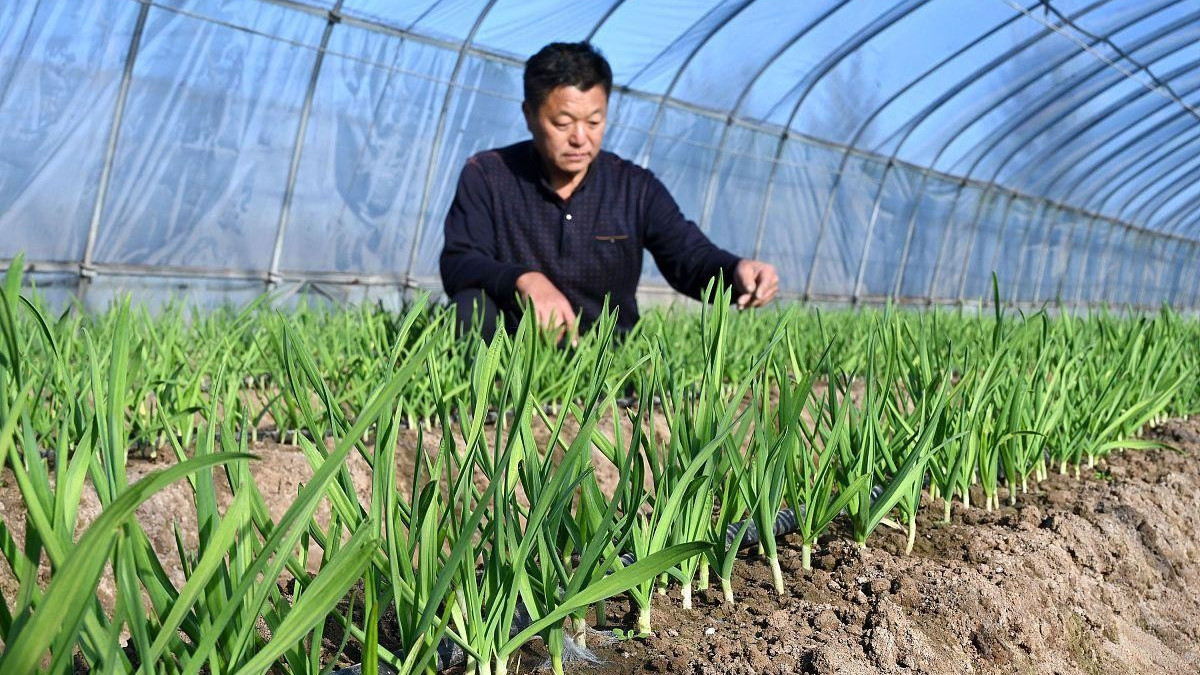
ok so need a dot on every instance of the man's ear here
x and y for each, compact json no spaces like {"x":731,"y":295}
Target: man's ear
{"x":530,"y":115}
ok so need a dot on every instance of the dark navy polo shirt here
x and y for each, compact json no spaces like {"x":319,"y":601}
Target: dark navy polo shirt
{"x":506,"y":220}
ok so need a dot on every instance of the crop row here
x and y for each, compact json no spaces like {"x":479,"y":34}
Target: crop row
{"x":713,"y":421}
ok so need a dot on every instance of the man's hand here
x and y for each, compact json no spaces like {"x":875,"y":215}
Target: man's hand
{"x":549,"y":304}
{"x":755,"y":283}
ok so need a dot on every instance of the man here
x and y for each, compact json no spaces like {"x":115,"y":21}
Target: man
{"x":558,"y":223}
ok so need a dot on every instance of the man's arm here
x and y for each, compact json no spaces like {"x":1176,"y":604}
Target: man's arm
{"x":468,"y":257}
{"x":689,"y":260}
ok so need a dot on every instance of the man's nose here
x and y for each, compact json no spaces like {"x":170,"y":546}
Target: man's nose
{"x":577,"y":137}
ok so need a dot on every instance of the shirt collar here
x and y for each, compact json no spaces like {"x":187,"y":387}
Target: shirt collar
{"x":539,"y":172}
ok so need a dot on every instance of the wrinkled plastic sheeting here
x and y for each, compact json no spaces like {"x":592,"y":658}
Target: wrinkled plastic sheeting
{"x":744,"y":110}
{"x":207,"y":137}
{"x":60,"y":70}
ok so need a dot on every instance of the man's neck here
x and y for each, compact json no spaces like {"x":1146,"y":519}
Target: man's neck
{"x":563,"y":185}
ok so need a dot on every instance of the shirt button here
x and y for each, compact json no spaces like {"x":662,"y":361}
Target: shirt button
{"x":568,"y":216}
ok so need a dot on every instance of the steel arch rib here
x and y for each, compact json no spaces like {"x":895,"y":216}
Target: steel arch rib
{"x":298,"y":149}
{"x":1076,"y":79}
{"x":6,"y":87}
{"x":1144,"y":162}
{"x":1081,"y":153}
{"x":1183,"y":183}
{"x":1119,"y":152}
{"x":1176,"y":220}
{"x":917,"y":120}
{"x":860,"y":38}
{"x":1163,"y":194}
{"x":805,"y":87}
{"x":890,"y":165}
{"x":1030,"y":138}
{"x":995,"y":137}
{"x":612,"y":9}
{"x":906,"y":130}
{"x":1083,"y":79}
{"x":435,"y":147}
{"x":648,"y":149}
{"x":603,"y":20}
{"x":710,"y":188}
{"x":110,"y":152}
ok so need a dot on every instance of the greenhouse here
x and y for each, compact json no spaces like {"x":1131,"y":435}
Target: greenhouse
{"x":868,"y":150}
{"x":348,"y":337}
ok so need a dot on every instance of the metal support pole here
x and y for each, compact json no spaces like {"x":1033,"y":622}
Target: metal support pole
{"x":1110,"y":243}
{"x":1022,"y":253}
{"x":1192,"y":288}
{"x":1152,"y":271}
{"x":951,"y":225}
{"x":1188,"y":279}
{"x":660,"y":109}
{"x":862,"y":260}
{"x":937,"y":263}
{"x":1193,"y":296}
{"x":974,"y":234}
{"x":902,"y":269}
{"x":762,"y":213}
{"x":826,"y":216}
{"x":809,"y":82}
{"x":1177,"y":273}
{"x":1083,"y":263}
{"x":1000,"y":232}
{"x":114,"y":134}
{"x":1041,"y":267}
{"x":1149,"y":263}
{"x":439,"y":134}
{"x":1120,"y":275}
{"x":332,"y":19}
{"x":1066,"y":266}
{"x":710,"y":188}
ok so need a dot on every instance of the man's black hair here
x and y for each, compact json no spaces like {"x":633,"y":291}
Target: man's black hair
{"x":565,"y":64}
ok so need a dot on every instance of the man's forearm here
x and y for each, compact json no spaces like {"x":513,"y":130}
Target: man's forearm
{"x":470,"y":269}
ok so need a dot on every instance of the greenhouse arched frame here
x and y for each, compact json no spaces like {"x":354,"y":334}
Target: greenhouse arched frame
{"x":871,"y":151}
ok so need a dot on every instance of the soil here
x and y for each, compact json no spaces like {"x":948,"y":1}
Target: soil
{"x":1096,"y":575}
{"x":1099,"y":575}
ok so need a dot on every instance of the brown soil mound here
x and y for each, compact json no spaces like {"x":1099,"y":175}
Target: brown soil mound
{"x":1095,"y":576}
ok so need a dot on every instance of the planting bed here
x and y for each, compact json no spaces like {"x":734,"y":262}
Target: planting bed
{"x":332,"y":486}
{"x":1096,"y":576}
{"x":1091,"y":576}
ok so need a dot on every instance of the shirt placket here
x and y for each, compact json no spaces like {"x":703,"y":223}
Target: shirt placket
{"x":569,"y":238}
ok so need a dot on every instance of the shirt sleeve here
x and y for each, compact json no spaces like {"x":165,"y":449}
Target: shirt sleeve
{"x":468,"y":257}
{"x":687,"y":259}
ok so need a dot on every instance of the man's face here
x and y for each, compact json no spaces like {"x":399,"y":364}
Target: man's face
{"x":567,"y":129}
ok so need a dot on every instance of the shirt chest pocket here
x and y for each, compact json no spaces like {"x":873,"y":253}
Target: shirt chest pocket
{"x":615,"y":249}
